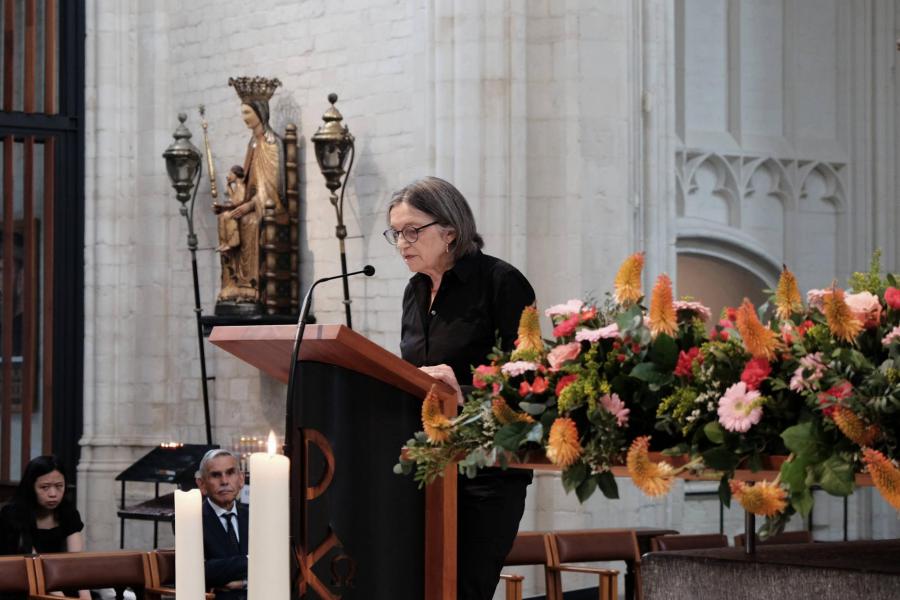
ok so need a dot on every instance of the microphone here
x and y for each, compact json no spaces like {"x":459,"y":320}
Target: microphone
{"x":368,"y":271}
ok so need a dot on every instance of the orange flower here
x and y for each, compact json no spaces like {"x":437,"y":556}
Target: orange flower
{"x":654,"y":479}
{"x":529,"y":343}
{"x":853,"y":427}
{"x":787,"y":296}
{"x":841,"y":321}
{"x":506,"y":415}
{"x":885,"y":475}
{"x":759,"y":340}
{"x":663,"y":317}
{"x":765,"y":499}
{"x":563,"y":447}
{"x":434,"y":421}
{"x":628,"y":279}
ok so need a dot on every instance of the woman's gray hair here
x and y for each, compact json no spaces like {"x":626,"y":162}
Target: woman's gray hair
{"x":445,"y":203}
{"x":203,"y":470}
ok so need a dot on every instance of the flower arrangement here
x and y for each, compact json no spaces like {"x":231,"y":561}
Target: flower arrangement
{"x":819,"y":382}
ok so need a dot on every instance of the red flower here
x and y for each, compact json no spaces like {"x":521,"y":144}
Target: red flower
{"x":830,"y":398}
{"x":567,"y":327}
{"x":481,"y":372}
{"x":538,"y":387}
{"x":564,"y":382}
{"x":587,"y":315}
{"x":723,"y":335}
{"x":755,"y":371}
{"x":803,"y":327}
{"x":685,"y":365}
{"x":731,"y":314}
{"x":892,"y":297}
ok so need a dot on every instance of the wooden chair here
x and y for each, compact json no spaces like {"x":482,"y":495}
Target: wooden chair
{"x":162,"y":575}
{"x":593,"y":546}
{"x":73,"y":571}
{"x":689,"y":542}
{"x":16,"y":576}
{"x":529,"y":548}
{"x":786,"y":537}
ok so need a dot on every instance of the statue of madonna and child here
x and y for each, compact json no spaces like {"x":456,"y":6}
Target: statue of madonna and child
{"x":254,"y":191}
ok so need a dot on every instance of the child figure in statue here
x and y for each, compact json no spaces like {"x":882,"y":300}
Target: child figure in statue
{"x":229,"y":232}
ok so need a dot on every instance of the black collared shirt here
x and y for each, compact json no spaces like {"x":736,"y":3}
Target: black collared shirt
{"x":480,"y":298}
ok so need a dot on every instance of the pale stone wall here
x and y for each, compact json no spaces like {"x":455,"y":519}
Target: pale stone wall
{"x":564,"y":123}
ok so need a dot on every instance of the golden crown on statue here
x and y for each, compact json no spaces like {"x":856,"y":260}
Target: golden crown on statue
{"x":254,"y":88}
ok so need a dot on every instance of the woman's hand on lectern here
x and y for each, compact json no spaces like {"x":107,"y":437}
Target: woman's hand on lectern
{"x":444,"y":374}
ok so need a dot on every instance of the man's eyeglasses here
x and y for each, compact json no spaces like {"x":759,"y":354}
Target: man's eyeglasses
{"x":409,"y":233}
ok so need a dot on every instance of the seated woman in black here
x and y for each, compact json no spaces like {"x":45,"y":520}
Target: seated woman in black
{"x":40,"y":518}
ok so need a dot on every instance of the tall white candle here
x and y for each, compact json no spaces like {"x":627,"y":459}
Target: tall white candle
{"x":268,"y":572}
{"x":190,"y":580}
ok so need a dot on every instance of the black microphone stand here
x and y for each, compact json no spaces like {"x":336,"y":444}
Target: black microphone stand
{"x":297,"y":486}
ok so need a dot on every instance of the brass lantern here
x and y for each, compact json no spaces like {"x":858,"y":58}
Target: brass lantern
{"x":182,"y":162}
{"x":333,"y":143}
{"x":334,"y":146}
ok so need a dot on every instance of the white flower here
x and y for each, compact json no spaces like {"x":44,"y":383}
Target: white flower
{"x":595,"y":335}
{"x":518,"y":367}
{"x":563,"y":310}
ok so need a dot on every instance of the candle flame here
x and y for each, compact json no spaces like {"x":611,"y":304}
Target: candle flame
{"x":272,"y":443}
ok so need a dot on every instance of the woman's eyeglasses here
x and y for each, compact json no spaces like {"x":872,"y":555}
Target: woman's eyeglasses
{"x":409,"y":233}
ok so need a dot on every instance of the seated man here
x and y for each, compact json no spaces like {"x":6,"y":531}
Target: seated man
{"x":225,"y":524}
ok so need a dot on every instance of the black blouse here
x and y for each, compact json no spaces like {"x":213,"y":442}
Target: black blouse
{"x":480,"y":298}
{"x":19,"y":532}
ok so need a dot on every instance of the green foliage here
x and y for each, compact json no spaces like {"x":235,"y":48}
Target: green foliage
{"x":870,"y":281}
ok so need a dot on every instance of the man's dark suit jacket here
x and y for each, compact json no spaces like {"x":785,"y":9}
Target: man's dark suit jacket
{"x":225,"y":562}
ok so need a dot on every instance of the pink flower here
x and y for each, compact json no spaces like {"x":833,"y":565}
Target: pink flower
{"x":481,"y":372}
{"x":613,"y":404}
{"x":563,"y":353}
{"x":739,"y":408}
{"x":564,"y":310}
{"x":595,"y":335}
{"x":567,"y":327}
{"x":518,"y":367}
{"x":755,"y":372}
{"x":685,"y":365}
{"x":893,"y":335}
{"x":565,"y":382}
{"x":816,"y":298}
{"x":787,"y":333}
{"x":808,"y":373}
{"x":866,"y":307}
{"x":686,"y":309}
{"x":892,"y":297}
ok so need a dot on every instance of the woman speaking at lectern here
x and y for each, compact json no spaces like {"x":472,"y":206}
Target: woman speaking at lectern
{"x":454,"y":307}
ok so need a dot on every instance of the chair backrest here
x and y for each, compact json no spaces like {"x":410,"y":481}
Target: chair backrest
{"x":162,"y":568}
{"x":595,"y":545}
{"x":529,"y":548}
{"x":787,"y":537}
{"x":16,"y":575}
{"x":85,"y":570}
{"x":689,"y":541}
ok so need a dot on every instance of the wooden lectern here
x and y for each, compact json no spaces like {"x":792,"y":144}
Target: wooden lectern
{"x":357,"y":529}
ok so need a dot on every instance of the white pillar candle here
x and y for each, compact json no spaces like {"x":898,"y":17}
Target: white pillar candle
{"x":268,"y":572}
{"x":190,"y":580}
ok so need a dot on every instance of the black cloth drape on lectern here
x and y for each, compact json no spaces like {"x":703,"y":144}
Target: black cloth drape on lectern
{"x":377,"y":516}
